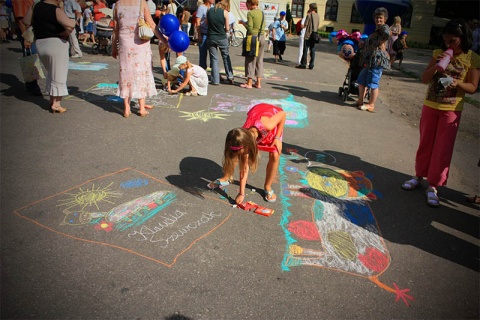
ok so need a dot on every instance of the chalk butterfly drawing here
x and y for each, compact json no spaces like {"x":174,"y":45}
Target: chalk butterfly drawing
{"x":338,"y":231}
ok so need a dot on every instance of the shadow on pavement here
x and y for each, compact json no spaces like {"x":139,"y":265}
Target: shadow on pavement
{"x":195,"y":174}
{"x":404,"y":217}
{"x":97,"y":100}
{"x":326,"y":96}
{"x":17,"y":89}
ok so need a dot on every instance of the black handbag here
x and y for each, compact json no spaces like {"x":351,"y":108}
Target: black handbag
{"x":314,"y":37}
{"x":250,"y":46}
{"x":251,"y":43}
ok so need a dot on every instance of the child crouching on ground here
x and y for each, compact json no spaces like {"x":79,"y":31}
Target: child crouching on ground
{"x":195,"y":77}
{"x":263,"y":130}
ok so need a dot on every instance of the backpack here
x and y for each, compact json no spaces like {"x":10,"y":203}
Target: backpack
{"x":298,"y":27}
{"x":397,"y":45}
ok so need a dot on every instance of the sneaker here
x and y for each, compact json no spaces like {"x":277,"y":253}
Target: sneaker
{"x":75,"y":56}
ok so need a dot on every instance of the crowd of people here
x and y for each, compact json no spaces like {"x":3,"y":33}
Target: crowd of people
{"x":55,"y":22}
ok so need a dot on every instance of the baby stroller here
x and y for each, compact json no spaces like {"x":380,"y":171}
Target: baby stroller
{"x":350,"y":85}
{"x":104,"y":36}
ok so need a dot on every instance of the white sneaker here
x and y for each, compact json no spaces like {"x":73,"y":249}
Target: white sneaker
{"x":75,"y":56}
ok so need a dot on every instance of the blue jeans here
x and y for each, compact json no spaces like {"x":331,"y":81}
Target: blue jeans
{"x":203,"y":50}
{"x":222,"y":45}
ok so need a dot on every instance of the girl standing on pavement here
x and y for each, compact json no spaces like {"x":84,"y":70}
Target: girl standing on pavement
{"x":395,"y":30}
{"x":443,"y":107}
{"x":263,"y":130}
{"x":375,"y":59}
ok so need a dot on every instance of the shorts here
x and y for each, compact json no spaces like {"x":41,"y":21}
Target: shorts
{"x":370,"y":77}
{"x":89,"y":27}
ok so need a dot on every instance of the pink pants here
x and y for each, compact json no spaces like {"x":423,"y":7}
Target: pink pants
{"x":438,"y":130}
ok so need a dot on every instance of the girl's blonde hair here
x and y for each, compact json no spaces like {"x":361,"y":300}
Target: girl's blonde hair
{"x":224,"y":4}
{"x":397,"y":20}
{"x":239,"y":139}
{"x":187,"y":65}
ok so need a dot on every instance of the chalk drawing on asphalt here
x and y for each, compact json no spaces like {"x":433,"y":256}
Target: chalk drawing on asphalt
{"x":203,"y":115}
{"x":107,"y":92}
{"x":338,"y":231}
{"x":130,"y":211}
{"x":239,"y":72}
{"x":221,"y":104}
{"x":87,"y":66}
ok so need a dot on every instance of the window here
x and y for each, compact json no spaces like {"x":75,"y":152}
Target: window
{"x":407,"y":17}
{"x":355,"y":16}
{"x":297,"y":8}
{"x":331,"y":9}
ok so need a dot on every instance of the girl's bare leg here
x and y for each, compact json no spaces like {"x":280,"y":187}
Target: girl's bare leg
{"x":163,"y":61}
{"x":373,"y":98}
{"x":361,"y":94}
{"x":272,"y":168}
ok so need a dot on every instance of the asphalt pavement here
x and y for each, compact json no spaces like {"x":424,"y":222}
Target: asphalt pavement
{"x":106,"y":217}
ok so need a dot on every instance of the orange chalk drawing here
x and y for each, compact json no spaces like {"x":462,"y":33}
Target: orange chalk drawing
{"x":146,"y":220}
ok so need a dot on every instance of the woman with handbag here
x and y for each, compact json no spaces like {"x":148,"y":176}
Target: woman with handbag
{"x":255,"y":25}
{"x":134,"y":53}
{"x":51,"y":27}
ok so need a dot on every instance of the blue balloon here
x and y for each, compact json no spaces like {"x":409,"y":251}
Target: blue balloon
{"x":169,"y":24}
{"x":178,"y":41}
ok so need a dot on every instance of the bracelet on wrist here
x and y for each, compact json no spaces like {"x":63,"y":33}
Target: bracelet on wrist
{"x":240,"y":194}
{"x":278,"y":138}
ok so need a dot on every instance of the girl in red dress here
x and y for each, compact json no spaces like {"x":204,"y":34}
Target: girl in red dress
{"x":263,"y":130}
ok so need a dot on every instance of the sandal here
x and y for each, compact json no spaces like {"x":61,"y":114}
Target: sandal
{"x":190,"y":93}
{"x":270,"y":196}
{"x":246,"y":86}
{"x":475,"y":199}
{"x":256,"y":86}
{"x":432,"y":197}
{"x":411,"y":184}
{"x":218,"y":184}
{"x":366,"y":108}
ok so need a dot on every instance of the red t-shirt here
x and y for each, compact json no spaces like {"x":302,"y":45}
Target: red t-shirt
{"x":265,"y":137}
{"x":97,"y":15}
